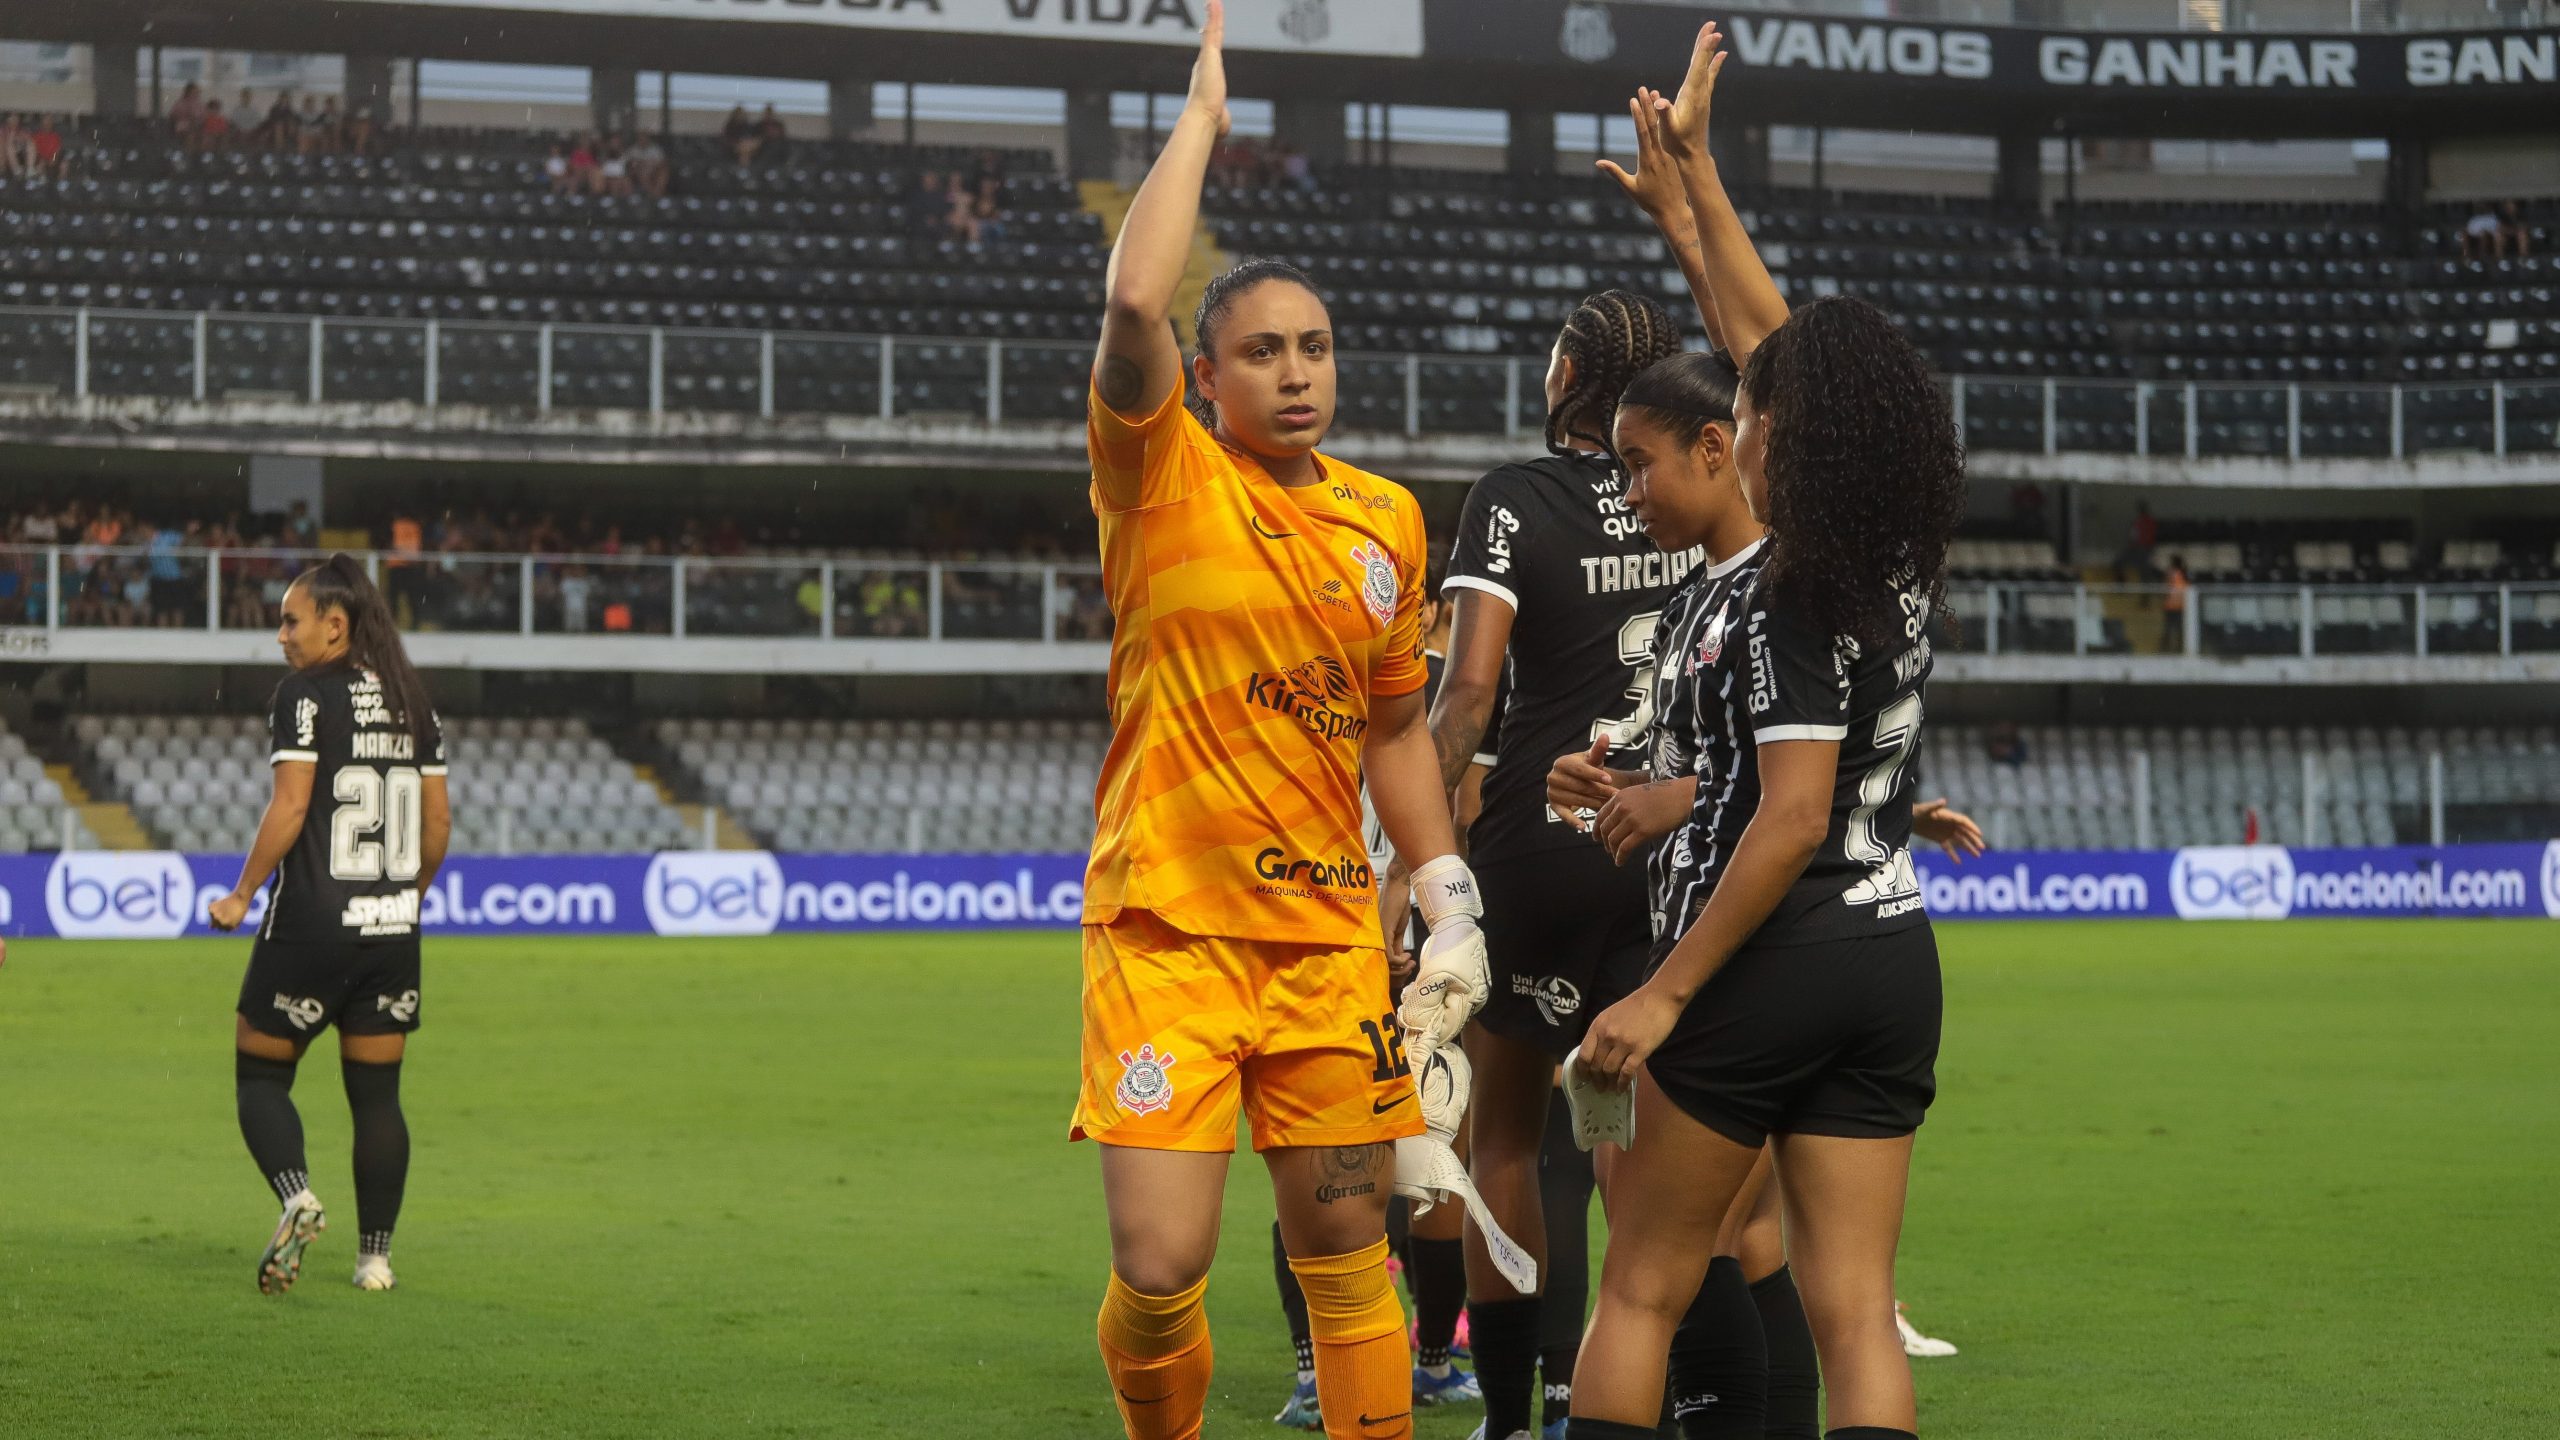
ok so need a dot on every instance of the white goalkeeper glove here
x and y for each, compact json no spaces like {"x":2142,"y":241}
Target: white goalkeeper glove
{"x":1427,"y":1168}
{"x":1454,"y":974}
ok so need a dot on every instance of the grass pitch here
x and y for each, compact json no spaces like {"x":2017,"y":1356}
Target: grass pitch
{"x":2285,"y":1180}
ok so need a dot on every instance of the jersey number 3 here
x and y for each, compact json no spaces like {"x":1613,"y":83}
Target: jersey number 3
{"x":371,"y":802}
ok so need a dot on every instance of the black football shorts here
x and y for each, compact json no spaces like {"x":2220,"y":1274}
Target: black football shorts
{"x":296,"y":989}
{"x":1568,"y":932}
{"x":1837,"y":1038}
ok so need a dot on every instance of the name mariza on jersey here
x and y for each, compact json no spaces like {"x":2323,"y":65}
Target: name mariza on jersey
{"x":1610,"y":574}
{"x":382,"y":745}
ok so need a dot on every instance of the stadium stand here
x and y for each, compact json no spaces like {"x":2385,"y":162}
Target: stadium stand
{"x":34,"y":813}
{"x":968,"y":786}
{"x":541,"y":786}
{"x":2073,"y":788}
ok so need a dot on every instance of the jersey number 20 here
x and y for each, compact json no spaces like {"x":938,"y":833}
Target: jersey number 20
{"x":371,"y":801}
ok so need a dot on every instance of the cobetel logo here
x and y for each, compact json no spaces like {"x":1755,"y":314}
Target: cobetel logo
{"x":121,"y":895}
{"x":2232,"y":882}
{"x":713,"y":892}
{"x":2551,"y":880}
{"x":1310,"y":692}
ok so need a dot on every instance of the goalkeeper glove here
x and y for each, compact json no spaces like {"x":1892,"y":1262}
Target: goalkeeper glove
{"x":1427,"y":1168}
{"x":1454,"y":974}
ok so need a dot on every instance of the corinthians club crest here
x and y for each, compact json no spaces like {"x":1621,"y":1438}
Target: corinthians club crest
{"x":1378,"y":585}
{"x":1588,"y":35}
{"x":1307,"y":22}
{"x":1144,"y":1087}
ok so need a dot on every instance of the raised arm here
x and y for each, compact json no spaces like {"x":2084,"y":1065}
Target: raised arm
{"x":1746,"y":299}
{"x":1138,"y":363}
{"x":1657,"y":189}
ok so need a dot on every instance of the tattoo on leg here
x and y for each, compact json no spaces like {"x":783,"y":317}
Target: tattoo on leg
{"x":1120,"y":381}
{"x":1350,"y":1171}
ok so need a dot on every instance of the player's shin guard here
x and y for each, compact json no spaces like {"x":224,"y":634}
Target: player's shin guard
{"x":1795,"y":1375}
{"x":1364,"y":1376}
{"x":1157,"y":1350}
{"x":1719,"y":1363}
{"x":269,"y":1122}
{"x":382,"y":1150}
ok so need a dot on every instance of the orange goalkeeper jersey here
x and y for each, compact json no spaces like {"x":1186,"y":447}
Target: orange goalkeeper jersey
{"x":1254,"y":624}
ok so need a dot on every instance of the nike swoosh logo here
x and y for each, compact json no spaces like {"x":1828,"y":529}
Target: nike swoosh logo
{"x":1134,"y":1400}
{"x":1256,"y":522}
{"x":1365,"y":1421}
{"x":1377,"y":1109}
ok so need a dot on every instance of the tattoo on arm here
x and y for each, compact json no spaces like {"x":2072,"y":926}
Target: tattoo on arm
{"x":1120,"y":382}
{"x":1456,"y":739}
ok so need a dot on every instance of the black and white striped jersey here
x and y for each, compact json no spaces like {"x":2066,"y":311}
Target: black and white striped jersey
{"x":1737,"y":671}
{"x":352,"y":874}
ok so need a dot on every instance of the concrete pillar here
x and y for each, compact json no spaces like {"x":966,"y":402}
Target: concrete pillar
{"x":2020,"y":186}
{"x":613,"y":96}
{"x":115,"y":80}
{"x":2406,"y":177}
{"x":1092,"y":148}
{"x":1312,"y":125}
{"x":849,"y":110}
{"x":369,"y":87}
{"x":1532,"y":148}
{"x":1742,"y":156}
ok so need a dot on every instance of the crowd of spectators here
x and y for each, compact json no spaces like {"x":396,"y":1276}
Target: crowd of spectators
{"x":32,"y":147}
{"x":634,"y":164}
{"x":318,"y":125}
{"x":2495,"y":232}
{"x":756,"y":140}
{"x":1261,"y":165}
{"x":963,"y":205}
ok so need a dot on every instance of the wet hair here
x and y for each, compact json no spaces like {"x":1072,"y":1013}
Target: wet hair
{"x":1611,"y":338}
{"x":1686,"y":392}
{"x":373,"y":640}
{"x":1220,"y":297}
{"x":1865,"y":469}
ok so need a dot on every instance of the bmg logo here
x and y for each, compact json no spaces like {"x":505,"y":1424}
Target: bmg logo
{"x":2232,"y":882}
{"x":119,"y":895}
{"x":713,"y":892}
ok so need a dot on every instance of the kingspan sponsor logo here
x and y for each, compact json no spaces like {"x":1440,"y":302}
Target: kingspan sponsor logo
{"x":2020,"y":891}
{"x":2232,"y":882}
{"x":1310,"y":692}
{"x":458,"y":899}
{"x":1285,"y":874}
{"x":905,"y":899}
{"x":2426,"y":886}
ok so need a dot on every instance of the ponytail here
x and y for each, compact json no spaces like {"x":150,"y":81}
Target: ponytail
{"x":373,"y":640}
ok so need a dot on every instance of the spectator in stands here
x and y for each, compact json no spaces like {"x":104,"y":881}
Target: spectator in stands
{"x":41,"y":526}
{"x":555,"y":168}
{"x":584,"y":176}
{"x":773,"y":138}
{"x":46,"y":141}
{"x":2173,"y":606}
{"x":647,"y":162}
{"x":960,"y":211}
{"x":986,"y":211}
{"x":2141,"y":541}
{"x":282,"y":129}
{"x":2513,"y":233}
{"x":738,"y":132}
{"x":186,"y":114}
{"x":214,"y":131}
{"x":2480,"y":234}
{"x":17,"y":148}
{"x":613,"y":171}
{"x":1295,"y":169}
{"x":357,"y":136}
{"x":169,"y":589}
{"x":323,"y":129}
{"x":301,"y":530}
{"x":2005,"y":745}
{"x":575,"y":591}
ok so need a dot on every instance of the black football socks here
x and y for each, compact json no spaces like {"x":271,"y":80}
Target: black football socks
{"x":1504,"y":1336}
{"x":269,"y":1122}
{"x":1795,"y":1375}
{"x":381,"y":1150}
{"x":1719,"y":1363}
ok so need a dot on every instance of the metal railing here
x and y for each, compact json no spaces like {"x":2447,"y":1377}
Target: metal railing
{"x":2240,"y":17}
{"x":247,"y":359}
{"x":70,"y":587}
{"x":2485,"y":617}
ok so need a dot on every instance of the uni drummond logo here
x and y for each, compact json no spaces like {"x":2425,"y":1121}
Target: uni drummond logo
{"x":121,"y":894}
{"x":2232,"y":882}
{"x":713,"y":892}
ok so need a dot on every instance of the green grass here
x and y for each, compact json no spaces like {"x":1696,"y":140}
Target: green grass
{"x":2186,"y":1181}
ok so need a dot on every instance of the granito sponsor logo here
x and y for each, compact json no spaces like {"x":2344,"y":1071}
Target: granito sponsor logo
{"x":1299,"y":879}
{"x":455,"y":900}
{"x":2429,"y":886}
{"x":903,"y":899}
{"x":2022,"y":892}
{"x":1310,"y":692}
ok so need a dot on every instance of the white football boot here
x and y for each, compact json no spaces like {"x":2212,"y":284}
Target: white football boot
{"x":373,"y":1272}
{"x":300,"y":1224}
{"x":1917,"y":1345}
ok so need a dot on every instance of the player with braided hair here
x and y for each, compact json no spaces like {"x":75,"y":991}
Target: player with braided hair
{"x":1553,"y":584}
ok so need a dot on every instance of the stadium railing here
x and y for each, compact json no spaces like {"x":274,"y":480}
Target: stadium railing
{"x":245,"y":360}
{"x":79,"y":586}
{"x":2325,"y":15}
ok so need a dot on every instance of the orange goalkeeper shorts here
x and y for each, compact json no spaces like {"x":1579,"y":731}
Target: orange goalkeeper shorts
{"x":1181,"y":1030}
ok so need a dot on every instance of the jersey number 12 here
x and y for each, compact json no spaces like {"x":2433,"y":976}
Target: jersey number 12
{"x":370,"y":802}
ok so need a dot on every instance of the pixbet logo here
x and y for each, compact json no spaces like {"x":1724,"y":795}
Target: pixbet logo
{"x":121,"y":895}
{"x":713,"y":892}
{"x":2232,"y":882}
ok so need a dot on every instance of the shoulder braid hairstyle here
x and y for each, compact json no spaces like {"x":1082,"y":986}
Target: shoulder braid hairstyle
{"x":1865,"y":470}
{"x":1219,"y":298}
{"x":1612,"y":337}
{"x":373,"y":640}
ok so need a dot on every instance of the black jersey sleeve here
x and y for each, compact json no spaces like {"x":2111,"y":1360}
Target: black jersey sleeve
{"x":1799,"y":676}
{"x":293,"y":722}
{"x":431,"y":745}
{"x":1489,"y":531}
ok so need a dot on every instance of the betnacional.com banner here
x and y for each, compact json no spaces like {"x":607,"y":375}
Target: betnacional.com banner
{"x":1324,"y":27}
{"x":139,"y":894}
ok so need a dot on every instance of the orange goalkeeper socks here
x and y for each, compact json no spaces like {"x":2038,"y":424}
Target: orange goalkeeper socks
{"x":1157,"y":1350}
{"x":1364,"y":1370}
